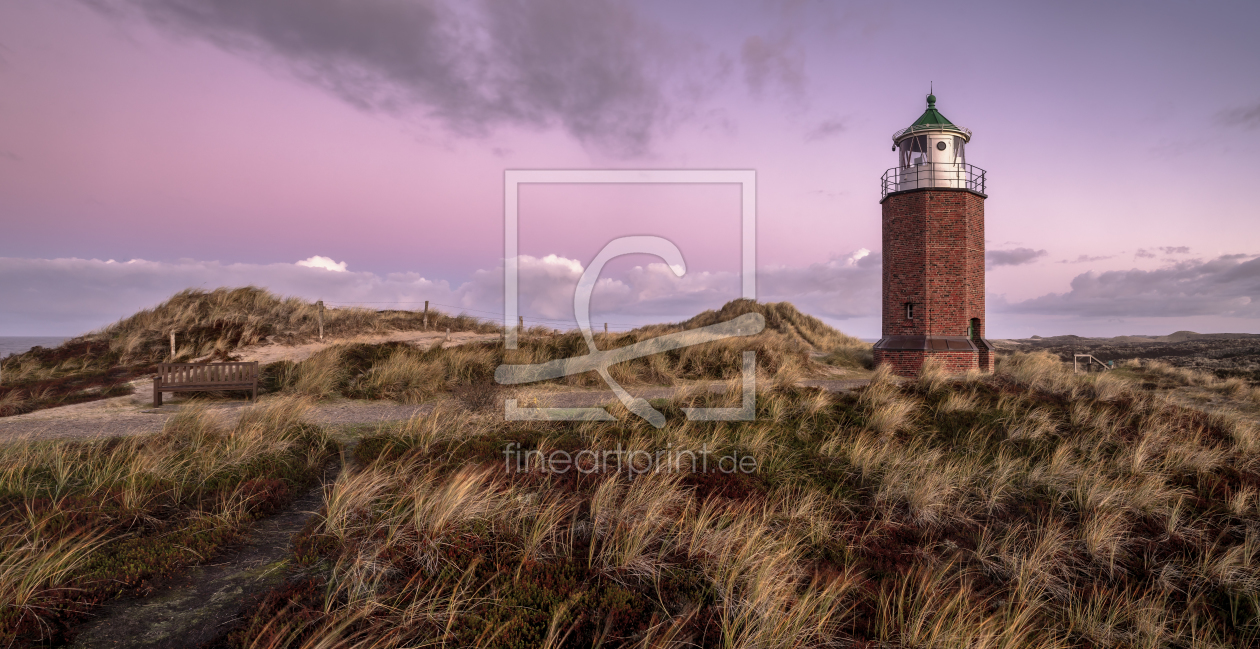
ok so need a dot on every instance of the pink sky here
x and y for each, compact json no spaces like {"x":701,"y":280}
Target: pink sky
{"x":221,"y":142}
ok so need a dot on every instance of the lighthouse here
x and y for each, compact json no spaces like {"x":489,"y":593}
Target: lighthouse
{"x":933,"y":237}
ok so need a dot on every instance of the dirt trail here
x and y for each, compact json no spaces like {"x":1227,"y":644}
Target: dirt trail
{"x":107,"y":417}
{"x":134,"y":414}
{"x":195,"y":607}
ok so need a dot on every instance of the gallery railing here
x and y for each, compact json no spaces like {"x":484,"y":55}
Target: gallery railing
{"x":934,"y":175}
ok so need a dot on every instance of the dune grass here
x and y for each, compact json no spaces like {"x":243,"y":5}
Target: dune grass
{"x":217,"y":322}
{"x":1026,"y":508}
{"x":1161,"y":375}
{"x":404,"y":373}
{"x":83,"y":521}
{"x":210,"y":326}
{"x":1030,"y":508}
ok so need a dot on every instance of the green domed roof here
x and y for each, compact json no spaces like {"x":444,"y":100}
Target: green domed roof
{"x":931,"y":120}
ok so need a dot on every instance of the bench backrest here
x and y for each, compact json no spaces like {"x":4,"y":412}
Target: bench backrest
{"x":207,"y":373}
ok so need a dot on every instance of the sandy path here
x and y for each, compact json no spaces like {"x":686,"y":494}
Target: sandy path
{"x":108,"y":417}
{"x":192,"y":608}
{"x":134,"y":414}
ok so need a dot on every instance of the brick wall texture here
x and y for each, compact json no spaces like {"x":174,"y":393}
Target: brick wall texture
{"x":934,"y":259}
{"x":907,"y":363}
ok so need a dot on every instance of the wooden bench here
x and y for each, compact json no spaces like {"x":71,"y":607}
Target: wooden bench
{"x":204,"y":377}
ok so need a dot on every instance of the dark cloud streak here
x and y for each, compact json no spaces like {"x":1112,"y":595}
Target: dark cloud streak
{"x":594,"y":68}
{"x":825,"y":129}
{"x":1244,"y":116}
{"x":774,"y":62}
{"x":1012,"y":257}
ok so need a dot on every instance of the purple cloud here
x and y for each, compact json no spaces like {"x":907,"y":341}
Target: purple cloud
{"x":1012,"y":257}
{"x":1244,"y":116}
{"x":1226,"y":286}
{"x":596,"y":68}
{"x":825,"y":129}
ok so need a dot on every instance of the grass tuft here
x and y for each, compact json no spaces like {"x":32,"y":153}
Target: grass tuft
{"x":84,"y":521}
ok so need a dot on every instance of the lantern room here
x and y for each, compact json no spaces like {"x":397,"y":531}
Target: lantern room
{"x":932,"y":153}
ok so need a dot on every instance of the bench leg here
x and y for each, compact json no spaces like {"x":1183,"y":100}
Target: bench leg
{"x":157,"y":393}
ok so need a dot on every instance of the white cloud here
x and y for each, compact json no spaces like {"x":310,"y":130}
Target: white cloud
{"x":323,"y":262}
{"x":71,"y":296}
{"x":571,"y":265}
{"x":843,"y":288}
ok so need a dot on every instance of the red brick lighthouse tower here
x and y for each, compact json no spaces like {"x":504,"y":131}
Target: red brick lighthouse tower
{"x":933,"y":251}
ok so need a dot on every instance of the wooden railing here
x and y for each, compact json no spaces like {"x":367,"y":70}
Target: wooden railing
{"x":1089,"y":361}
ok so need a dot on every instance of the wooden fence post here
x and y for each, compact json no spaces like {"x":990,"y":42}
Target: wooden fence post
{"x":520,"y":323}
{"x":605,"y":328}
{"x":426,"y":315}
{"x":319,"y":315}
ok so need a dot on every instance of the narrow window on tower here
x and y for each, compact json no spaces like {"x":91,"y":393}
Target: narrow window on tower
{"x":909,"y":310}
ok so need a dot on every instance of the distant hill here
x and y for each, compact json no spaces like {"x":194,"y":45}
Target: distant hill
{"x":1179,"y":337}
{"x":1175,"y":337}
{"x":1225,"y":354}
